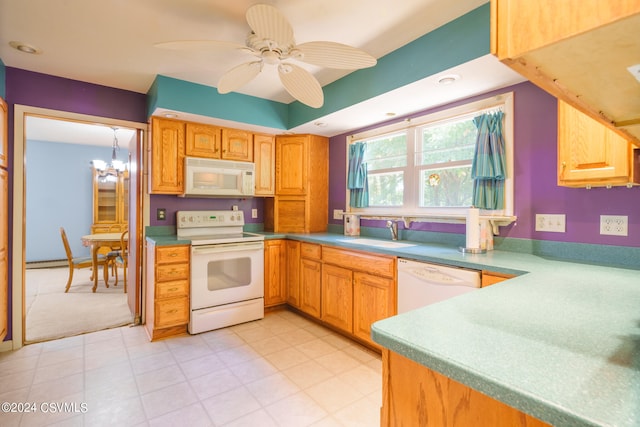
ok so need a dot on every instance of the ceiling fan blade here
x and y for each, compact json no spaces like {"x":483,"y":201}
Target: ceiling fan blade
{"x":268,"y":23}
{"x":301,"y":84}
{"x":199,"y":45}
{"x":239,"y":76}
{"x":335,"y":55}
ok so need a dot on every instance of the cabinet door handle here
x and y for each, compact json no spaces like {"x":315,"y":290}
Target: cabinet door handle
{"x":172,"y":289}
{"x":172,"y":311}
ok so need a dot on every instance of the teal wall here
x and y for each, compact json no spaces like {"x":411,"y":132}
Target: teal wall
{"x":3,"y":80}
{"x":59,"y":194}
{"x":462,"y":40}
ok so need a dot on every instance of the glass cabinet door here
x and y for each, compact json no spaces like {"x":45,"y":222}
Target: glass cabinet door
{"x":106,"y":198}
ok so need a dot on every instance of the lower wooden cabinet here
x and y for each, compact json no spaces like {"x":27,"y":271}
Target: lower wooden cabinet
{"x":414,"y":395}
{"x":374,"y":298}
{"x":167,"y":287}
{"x":337,"y":297}
{"x":275,"y":275}
{"x":293,"y":273}
{"x":310,"y":286}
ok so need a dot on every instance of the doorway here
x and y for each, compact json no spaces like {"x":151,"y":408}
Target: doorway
{"x":133,"y":137}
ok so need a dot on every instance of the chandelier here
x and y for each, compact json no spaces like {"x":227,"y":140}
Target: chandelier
{"x":116,"y":166}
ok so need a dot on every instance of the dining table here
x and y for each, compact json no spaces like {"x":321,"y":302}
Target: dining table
{"x":97,"y":241}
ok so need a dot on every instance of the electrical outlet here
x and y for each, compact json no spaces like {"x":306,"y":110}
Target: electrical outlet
{"x":161,"y":214}
{"x":554,"y":223}
{"x":254,"y":213}
{"x":234,"y":207}
{"x":614,"y":225}
{"x":337,"y":213}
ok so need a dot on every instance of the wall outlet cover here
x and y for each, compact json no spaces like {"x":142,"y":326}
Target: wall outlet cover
{"x":614,"y":225}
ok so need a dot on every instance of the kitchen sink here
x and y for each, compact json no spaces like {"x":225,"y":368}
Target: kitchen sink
{"x":377,"y":243}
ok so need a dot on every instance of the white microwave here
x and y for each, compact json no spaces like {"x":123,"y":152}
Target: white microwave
{"x":218,"y":178}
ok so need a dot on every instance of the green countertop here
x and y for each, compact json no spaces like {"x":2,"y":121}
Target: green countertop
{"x":560,"y":342}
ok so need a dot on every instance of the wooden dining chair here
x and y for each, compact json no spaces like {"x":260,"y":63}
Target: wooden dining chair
{"x":119,"y":258}
{"x":81,"y":262}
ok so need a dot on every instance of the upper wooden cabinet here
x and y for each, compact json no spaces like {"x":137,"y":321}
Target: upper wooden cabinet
{"x":302,"y":185}
{"x":203,"y":141}
{"x":167,"y":156}
{"x":237,"y":145}
{"x":590,"y":154}
{"x":577,"y":50}
{"x":264,"y":157}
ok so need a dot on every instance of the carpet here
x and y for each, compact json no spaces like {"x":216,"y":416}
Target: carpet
{"x":53,"y":314}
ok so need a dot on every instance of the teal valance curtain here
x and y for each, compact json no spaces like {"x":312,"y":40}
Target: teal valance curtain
{"x":357,"y":183}
{"x":489,"y":168}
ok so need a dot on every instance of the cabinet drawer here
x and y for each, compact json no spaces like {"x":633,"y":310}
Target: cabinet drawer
{"x":165,"y":273}
{"x":171,"y":312}
{"x":176,"y":288}
{"x":311,"y":251}
{"x":359,"y":261}
{"x":171,"y":254}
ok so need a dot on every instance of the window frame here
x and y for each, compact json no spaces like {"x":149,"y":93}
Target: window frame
{"x":503,"y":102}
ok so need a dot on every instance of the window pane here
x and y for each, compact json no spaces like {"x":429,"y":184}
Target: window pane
{"x":447,"y":142}
{"x":389,"y":151}
{"x":386,"y":189}
{"x":446,"y":187}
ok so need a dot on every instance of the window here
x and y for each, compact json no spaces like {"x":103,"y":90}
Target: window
{"x":423,"y":166}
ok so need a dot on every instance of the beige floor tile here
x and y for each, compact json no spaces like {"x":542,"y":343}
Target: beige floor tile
{"x":259,"y":418}
{"x":272,"y":388}
{"x":316,"y":348}
{"x":334,"y":394}
{"x":214,"y":383}
{"x":269,"y":345}
{"x":286,"y":358}
{"x":231,"y":405}
{"x":152,"y":362}
{"x":237,"y":355}
{"x":168,"y":399}
{"x":298,"y":410}
{"x":362,"y":413}
{"x":337,"y":362}
{"x":160,"y":378}
{"x":308,"y":373}
{"x":193,"y":416}
{"x":115,"y":412}
{"x":253,"y":370}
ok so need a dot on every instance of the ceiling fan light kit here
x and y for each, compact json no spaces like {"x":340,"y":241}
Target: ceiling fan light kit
{"x":271,"y":40}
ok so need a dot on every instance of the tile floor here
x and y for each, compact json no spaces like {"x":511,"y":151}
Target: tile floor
{"x":283,"y":370}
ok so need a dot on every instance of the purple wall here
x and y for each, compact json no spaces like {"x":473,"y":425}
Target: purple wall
{"x":535,"y":156}
{"x":174,"y":203}
{"x":57,"y":93}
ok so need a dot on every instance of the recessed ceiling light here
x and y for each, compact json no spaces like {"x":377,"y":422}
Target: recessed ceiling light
{"x":170,"y":115}
{"x":390,"y":114}
{"x":24,"y":47}
{"x":448,"y":79}
{"x":320,"y":124}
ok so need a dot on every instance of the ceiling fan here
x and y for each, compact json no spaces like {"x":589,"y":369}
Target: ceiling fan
{"x":271,"y":42}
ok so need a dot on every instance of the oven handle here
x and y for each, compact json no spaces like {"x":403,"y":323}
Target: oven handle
{"x":226,"y":247}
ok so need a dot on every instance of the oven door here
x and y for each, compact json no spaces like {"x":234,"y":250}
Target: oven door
{"x":226,"y":273}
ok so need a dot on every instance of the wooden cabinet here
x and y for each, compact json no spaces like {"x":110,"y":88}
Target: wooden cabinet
{"x":167,"y":156}
{"x":293,"y":273}
{"x":167,"y":290}
{"x":302,"y":182}
{"x":358,"y":289}
{"x":275,"y":273}
{"x":310,"y":278}
{"x":4,"y":133}
{"x":264,"y":158}
{"x":491,"y":278}
{"x":110,"y":201}
{"x":203,"y":141}
{"x":237,"y":145}
{"x":590,"y":154}
{"x":337,"y":297}
{"x":4,"y":254}
{"x":414,"y":395}
{"x":577,"y":50}
{"x":374,"y":298}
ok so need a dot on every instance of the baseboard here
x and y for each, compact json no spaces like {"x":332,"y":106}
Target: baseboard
{"x":47,"y":264}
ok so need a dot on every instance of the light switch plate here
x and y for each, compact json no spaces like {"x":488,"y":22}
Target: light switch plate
{"x":254,"y":213}
{"x":337,"y":213}
{"x":614,"y":225}
{"x":554,"y":223}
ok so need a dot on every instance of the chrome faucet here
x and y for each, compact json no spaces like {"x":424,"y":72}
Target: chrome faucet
{"x":393,"y":227}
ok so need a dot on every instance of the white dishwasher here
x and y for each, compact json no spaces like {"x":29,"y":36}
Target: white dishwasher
{"x":422,"y":283}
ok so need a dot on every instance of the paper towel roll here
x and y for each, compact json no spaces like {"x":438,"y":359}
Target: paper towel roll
{"x":473,"y":228}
